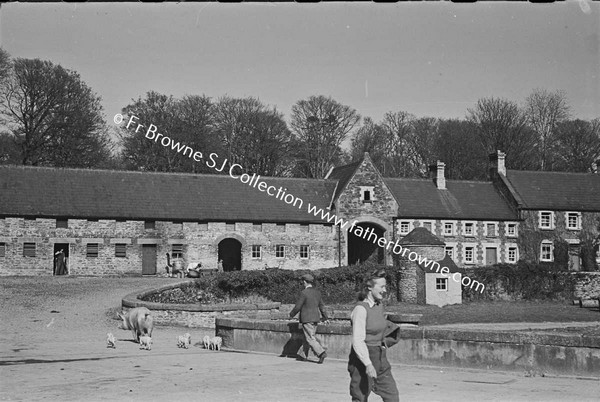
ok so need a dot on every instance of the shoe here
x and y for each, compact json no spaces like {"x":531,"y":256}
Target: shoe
{"x":322,"y":357}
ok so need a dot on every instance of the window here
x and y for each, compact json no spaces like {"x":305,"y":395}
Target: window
{"x":62,"y":223}
{"x":546,"y":220}
{"x":149,"y":224}
{"x":230,"y":226}
{"x":573,"y":220}
{"x":121,"y":250}
{"x":280,"y":251}
{"x":428,"y":226}
{"x":404,"y":227}
{"x":304,"y":227}
{"x":441,"y":283}
{"x":491,"y":230}
{"x":304,"y":252}
{"x":448,"y":228}
{"x":547,"y":251}
{"x":257,"y":227}
{"x":469,"y":256}
{"x":512,"y":254}
{"x":469,"y":228}
{"x":2,"y":250}
{"x":280,"y":227}
{"x":450,"y":251}
{"x":91,"y":250}
{"x":511,"y":230}
{"x":256,"y":251}
{"x":366,"y":194}
{"x":28,"y":249}
{"x":177,"y":251}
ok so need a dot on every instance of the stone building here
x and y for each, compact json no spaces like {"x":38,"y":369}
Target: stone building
{"x":119,"y":222}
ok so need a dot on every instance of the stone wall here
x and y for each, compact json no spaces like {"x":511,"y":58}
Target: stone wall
{"x":200,"y":244}
{"x":587,"y":285}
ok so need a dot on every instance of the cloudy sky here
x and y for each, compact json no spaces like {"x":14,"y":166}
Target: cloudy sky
{"x":430,"y":59}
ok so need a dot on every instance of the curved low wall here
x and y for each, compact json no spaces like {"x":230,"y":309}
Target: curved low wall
{"x":195,"y":315}
{"x":502,"y":350}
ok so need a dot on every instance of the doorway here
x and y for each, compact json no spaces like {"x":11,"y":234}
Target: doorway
{"x":230,"y":253}
{"x":491,"y":255}
{"x":148,"y":259}
{"x":60,"y":259}
{"x":361,"y":246}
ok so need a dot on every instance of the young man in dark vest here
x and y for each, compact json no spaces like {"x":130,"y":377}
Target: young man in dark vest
{"x":311,"y":308}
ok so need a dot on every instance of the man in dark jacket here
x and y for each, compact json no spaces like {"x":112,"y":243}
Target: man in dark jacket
{"x":311,"y":308}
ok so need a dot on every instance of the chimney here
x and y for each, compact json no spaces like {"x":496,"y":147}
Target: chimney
{"x":497,"y":165}
{"x":436,"y":172}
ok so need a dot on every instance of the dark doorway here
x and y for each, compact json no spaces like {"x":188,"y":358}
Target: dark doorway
{"x":148,"y":259}
{"x":491,"y":255}
{"x":61,"y":259}
{"x":363,"y":244}
{"x":230,"y":253}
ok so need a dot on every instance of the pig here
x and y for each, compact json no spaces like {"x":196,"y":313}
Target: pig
{"x":216,"y":343}
{"x":183,"y":341}
{"x":145,"y":342}
{"x":139,"y":321}
{"x":206,"y":342}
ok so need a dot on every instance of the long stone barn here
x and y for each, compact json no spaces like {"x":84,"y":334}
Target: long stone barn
{"x":125,"y":223}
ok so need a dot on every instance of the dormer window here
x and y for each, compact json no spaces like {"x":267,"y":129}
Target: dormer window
{"x":366,"y":194}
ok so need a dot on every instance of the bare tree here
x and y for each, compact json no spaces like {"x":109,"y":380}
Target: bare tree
{"x":398,"y":127}
{"x":458,"y":146}
{"x":371,"y":138}
{"x":501,"y":125}
{"x":253,"y":135}
{"x":319,"y":125}
{"x":576,"y":145}
{"x":52,"y":116}
{"x":544,"y":111}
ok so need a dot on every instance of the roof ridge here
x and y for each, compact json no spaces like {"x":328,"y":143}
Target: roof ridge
{"x":553,"y":172}
{"x":25,"y":167}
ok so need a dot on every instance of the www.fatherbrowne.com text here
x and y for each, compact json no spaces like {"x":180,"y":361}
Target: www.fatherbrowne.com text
{"x":236,"y":171}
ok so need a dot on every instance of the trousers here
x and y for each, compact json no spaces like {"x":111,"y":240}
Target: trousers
{"x":310,"y":329}
{"x":361,"y":385}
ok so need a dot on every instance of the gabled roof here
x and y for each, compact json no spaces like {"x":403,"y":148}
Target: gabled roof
{"x":420,"y":198}
{"x":445,"y":262}
{"x":422,"y":237}
{"x":343,"y":174}
{"x":109,"y":194}
{"x":556,"y":190}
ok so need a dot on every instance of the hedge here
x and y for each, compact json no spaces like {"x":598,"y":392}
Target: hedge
{"x":337,"y":285}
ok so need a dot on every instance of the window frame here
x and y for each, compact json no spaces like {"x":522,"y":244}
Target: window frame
{"x":550,"y":223}
{"x":486,"y":231}
{"x":27,"y":247}
{"x":177,"y":251}
{"x":304,"y":248}
{"x":432,"y":223}
{"x":465,"y":260}
{"x":577,"y":222}
{"x":452,"y":249}
{"x":507,"y":232}
{"x":89,"y":250}
{"x":464,"y":228}
{"x":441,"y":284}
{"x":256,"y":252}
{"x":280,"y":251}
{"x":550,"y":244}
{"x":516,"y":250}
{"x":452,"y":228}
{"x":400,"y":232}
{"x":120,"y":250}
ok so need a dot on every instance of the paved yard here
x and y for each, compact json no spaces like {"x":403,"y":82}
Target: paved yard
{"x":53,"y":348}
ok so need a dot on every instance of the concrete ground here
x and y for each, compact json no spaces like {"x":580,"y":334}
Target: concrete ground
{"x":54,"y":348}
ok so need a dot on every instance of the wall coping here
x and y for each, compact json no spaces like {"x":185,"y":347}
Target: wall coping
{"x":133,"y":300}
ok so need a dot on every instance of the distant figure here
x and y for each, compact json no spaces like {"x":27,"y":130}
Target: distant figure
{"x":61,"y":266}
{"x":169,"y":266}
{"x":220,"y":266}
{"x":311,"y":308}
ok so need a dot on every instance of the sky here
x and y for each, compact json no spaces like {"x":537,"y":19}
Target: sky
{"x":431,"y":59}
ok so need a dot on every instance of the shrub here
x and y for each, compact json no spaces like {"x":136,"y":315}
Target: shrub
{"x":337,"y":285}
{"x":521,"y":281}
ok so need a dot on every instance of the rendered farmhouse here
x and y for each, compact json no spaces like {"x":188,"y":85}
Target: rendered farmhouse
{"x":122,"y":222}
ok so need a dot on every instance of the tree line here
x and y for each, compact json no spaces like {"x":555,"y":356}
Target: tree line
{"x":50,"y":117}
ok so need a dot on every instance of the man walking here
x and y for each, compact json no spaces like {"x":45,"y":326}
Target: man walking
{"x":311,"y":308}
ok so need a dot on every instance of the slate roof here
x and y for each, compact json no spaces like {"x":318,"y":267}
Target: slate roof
{"x":343,"y":174}
{"x":556,"y":190}
{"x":421,"y":236}
{"x":420,"y":198}
{"x":445,"y":262}
{"x":109,"y":194}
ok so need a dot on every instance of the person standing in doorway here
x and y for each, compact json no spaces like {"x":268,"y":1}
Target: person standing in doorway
{"x":312,"y":310}
{"x":368,"y":366}
{"x":61,"y":268}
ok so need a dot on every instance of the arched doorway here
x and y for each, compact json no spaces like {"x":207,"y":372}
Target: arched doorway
{"x":230,"y":253}
{"x":362,"y":243}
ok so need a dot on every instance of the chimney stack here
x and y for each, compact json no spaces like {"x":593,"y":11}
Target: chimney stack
{"x":497,"y":165}
{"x":437,"y":173}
